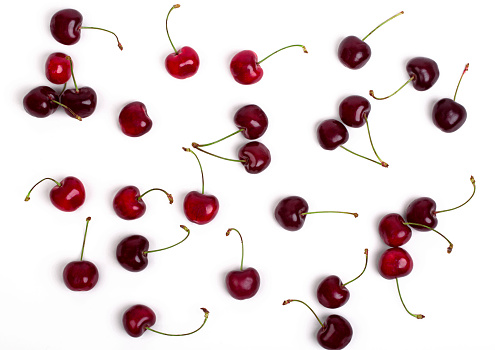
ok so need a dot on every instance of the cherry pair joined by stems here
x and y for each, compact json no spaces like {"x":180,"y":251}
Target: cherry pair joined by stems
{"x":134,"y":120}
{"x":67,"y":195}
{"x":128,"y":202}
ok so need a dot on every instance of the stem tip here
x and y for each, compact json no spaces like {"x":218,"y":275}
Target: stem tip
{"x":355,"y":214}
{"x":27,"y":199}
{"x":195,"y":145}
{"x":385,"y":165}
{"x":205,"y":311}
{"x":176,"y":6}
{"x":287,"y":301}
{"x":472,"y":180}
{"x":88,"y":218}
{"x":304,"y":49}
{"x":186,"y":149}
{"x":449,"y":249}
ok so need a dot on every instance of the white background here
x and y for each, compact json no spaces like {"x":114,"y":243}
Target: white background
{"x":298,"y":91}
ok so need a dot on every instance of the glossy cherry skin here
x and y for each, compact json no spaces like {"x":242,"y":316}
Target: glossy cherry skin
{"x":65,"y":26}
{"x":134,"y":120}
{"x":130,"y":253}
{"x":425,"y":72}
{"x":243,"y":284}
{"x":353,"y":52}
{"x":394,"y":263}
{"x":183,"y":64}
{"x":38,"y":102}
{"x":393,"y":231}
{"x":253,"y":120}
{"x":57,"y":68}
{"x":353,"y":109}
{"x":245,"y":68}
{"x":80,"y":275}
{"x":288,"y":213}
{"x":83,"y":103}
{"x":69,"y":196}
{"x":256,"y":155}
{"x":332,"y":293}
{"x":137,"y":318}
{"x":331,"y":134}
{"x":422,"y":211}
{"x":127,"y":204}
{"x":448,"y":115}
{"x":335,"y":334}
{"x":200,"y":208}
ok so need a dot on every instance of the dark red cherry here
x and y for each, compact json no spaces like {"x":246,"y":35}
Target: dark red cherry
{"x":130,"y":253}
{"x":335,"y":334}
{"x":332,"y":293}
{"x":288,"y":213}
{"x":253,"y":120}
{"x":134,"y":120}
{"x":67,"y":195}
{"x":182,"y":64}
{"x":423,"y":71}
{"x":353,"y":52}
{"x":256,"y":157}
{"x":129,"y":205}
{"x":57,"y":68}
{"x":245,"y":68}
{"x":332,"y":134}
{"x":200,"y":208}
{"x":137,"y":319}
{"x":39,"y":102}
{"x":393,"y":231}
{"x":422,"y":211}
{"x":395,"y":263}
{"x":353,"y":110}
{"x":81,"y":101}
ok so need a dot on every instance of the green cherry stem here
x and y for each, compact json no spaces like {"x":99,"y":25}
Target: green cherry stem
{"x":159,"y":250}
{"x":474,"y":191}
{"x":357,"y":154}
{"x":372,"y":93}
{"x":365,"y":264}
{"x":200,"y":167}
{"x":32,"y":188}
{"x":207,"y":313}
{"x":195,"y":145}
{"x":169,"y":196}
{"x":217,"y":141}
{"x":449,"y":248}
{"x":418,"y":316}
{"x":176,"y":6}
{"x":72,"y":72}
{"x":106,"y":30}
{"x":459,"y":83}
{"x":385,"y":165}
{"x":302,"y":302}
{"x":67,"y":108}
{"x":88,"y":219}
{"x":303,"y":47}
{"x":330,"y":211}
{"x":65,"y":86}
{"x":242,"y":244}
{"x":400,"y":13}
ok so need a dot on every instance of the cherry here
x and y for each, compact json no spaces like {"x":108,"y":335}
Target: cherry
{"x":182,"y":63}
{"x":199,"y":207}
{"x":81,"y":275}
{"x":128,"y":202}
{"x":67,"y":195}
{"x":335,"y":333}
{"x":243,"y":283}
{"x":66,"y":26}
{"x":353,"y":52}
{"x":393,"y":230}
{"x":57,"y":68}
{"x":332,"y":293}
{"x":245,"y":67}
{"x":256,"y":157}
{"x":423,"y":73}
{"x":41,"y":102}
{"x":291,"y":213}
{"x":449,"y":115}
{"x":353,"y":110}
{"x":139,"y":318}
{"x":251,"y":121}
{"x":134,"y":120}
{"x":132,"y":251}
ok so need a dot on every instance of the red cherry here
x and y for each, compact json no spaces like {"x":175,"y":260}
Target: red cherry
{"x":134,"y":120}
{"x":41,"y":102}
{"x":422,"y":211}
{"x":255,"y":156}
{"x":394,"y":263}
{"x":393,"y":230}
{"x":252,"y":121}
{"x":57,"y":68}
{"x":67,"y":195}
{"x":128,"y":203}
{"x":353,"y":110}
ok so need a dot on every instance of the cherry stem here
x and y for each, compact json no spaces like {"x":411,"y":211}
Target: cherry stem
{"x":242,"y":244}
{"x":330,"y":211}
{"x":106,"y":30}
{"x":32,"y":188}
{"x":474,"y":190}
{"x":65,"y":86}
{"x":418,"y":316}
{"x":67,"y":108}
{"x":303,"y":47}
{"x":166,"y":26}
{"x":88,"y":219}
{"x":372,"y":93}
{"x":449,"y":248}
{"x":217,"y":141}
{"x":195,"y":145}
{"x":357,"y":154}
{"x":459,"y":83}
{"x":365,"y":264}
{"x":207,"y":313}
{"x":400,"y":13}
{"x":384,"y":164}
{"x":159,"y":250}
{"x":200,"y":167}
{"x":72,"y":72}
{"x":302,"y":302}
{"x":169,"y":196}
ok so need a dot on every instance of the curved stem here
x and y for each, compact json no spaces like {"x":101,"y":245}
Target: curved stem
{"x":449,"y":248}
{"x":32,"y":188}
{"x":372,"y":93}
{"x":329,"y":211}
{"x":207,"y":313}
{"x":385,"y":165}
{"x":169,"y":196}
{"x":67,"y":108}
{"x":65,"y":86}
{"x":474,"y":191}
{"x":357,"y":154}
{"x":303,"y":47}
{"x":400,"y":13}
{"x":200,"y":167}
{"x":302,"y":302}
{"x":418,"y":316}
{"x":85,"y":232}
{"x":166,"y":26}
{"x":459,"y":83}
{"x":106,"y":30}
{"x":159,"y":250}
{"x":365,"y":264}
{"x":242,"y":244}
{"x":72,"y":72}
{"x":195,"y":145}
{"x":217,"y":141}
